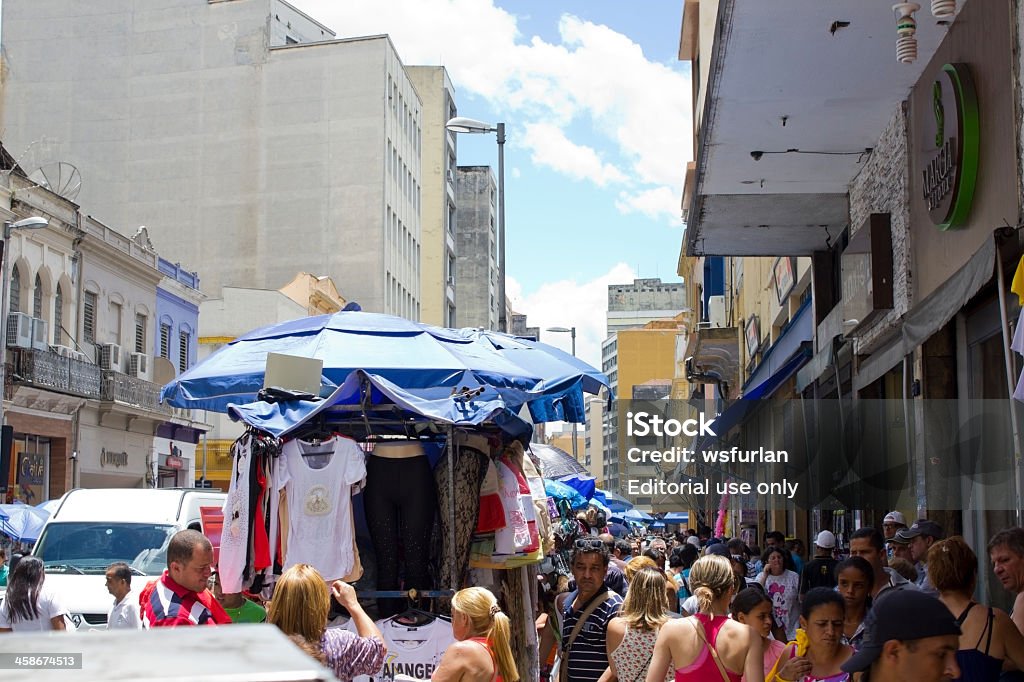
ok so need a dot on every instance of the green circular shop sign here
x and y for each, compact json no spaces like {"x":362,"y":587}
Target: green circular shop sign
{"x":950,"y":148}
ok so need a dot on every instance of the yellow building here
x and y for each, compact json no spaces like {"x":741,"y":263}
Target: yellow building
{"x":644,"y":355}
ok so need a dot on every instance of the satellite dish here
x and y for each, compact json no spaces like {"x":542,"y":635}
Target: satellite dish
{"x":163,"y":371}
{"x":60,"y":177}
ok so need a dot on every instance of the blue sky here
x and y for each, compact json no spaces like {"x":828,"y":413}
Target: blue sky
{"x":597,"y":112}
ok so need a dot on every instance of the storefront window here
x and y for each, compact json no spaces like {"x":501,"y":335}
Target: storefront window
{"x":31,"y":455}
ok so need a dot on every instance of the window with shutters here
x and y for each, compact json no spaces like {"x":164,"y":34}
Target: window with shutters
{"x":37,"y":298}
{"x":89,"y":317}
{"x":140,"y":333}
{"x":58,"y":316}
{"x":182,"y":351}
{"x":165,"y":341}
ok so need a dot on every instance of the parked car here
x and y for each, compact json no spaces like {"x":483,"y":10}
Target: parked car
{"x":93,"y":528}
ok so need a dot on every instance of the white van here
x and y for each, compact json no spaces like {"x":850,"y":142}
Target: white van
{"x":93,"y":528}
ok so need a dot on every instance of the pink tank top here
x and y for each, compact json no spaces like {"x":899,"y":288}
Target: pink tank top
{"x":704,"y":668}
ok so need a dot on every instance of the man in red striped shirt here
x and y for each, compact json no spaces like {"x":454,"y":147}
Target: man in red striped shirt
{"x":180,"y":596}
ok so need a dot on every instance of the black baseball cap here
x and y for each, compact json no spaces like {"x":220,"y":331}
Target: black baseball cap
{"x":888,"y":620}
{"x":921,"y":527}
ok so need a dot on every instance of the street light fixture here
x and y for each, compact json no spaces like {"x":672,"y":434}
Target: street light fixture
{"x":572,"y":332}
{"x":31,"y":223}
{"x":461,"y":124}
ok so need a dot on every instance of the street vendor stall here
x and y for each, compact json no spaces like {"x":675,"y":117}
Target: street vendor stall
{"x":416,"y":420}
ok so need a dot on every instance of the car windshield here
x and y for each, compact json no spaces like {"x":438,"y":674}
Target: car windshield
{"x":80,"y":548}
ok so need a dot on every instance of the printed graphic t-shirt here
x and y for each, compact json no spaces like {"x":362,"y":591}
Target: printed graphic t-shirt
{"x":415,"y":651}
{"x":320,"y":502}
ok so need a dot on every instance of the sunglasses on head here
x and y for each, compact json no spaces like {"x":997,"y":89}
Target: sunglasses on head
{"x":589,"y":543}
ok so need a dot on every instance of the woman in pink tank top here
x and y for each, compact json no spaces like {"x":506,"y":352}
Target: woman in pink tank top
{"x":481,"y":652}
{"x":709,"y":647}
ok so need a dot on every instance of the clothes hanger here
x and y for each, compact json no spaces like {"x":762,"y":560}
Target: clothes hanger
{"x":413,"y":615}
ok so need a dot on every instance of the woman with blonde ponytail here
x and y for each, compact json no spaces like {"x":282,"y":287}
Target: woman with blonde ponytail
{"x":709,"y":646}
{"x":482,"y":652}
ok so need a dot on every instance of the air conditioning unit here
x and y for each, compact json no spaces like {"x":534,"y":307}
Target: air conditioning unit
{"x":716,"y":311}
{"x":79,"y":355}
{"x":63,"y":351}
{"x":19,"y":330}
{"x":110,"y":356}
{"x":138,"y":365}
{"x":40,"y":339}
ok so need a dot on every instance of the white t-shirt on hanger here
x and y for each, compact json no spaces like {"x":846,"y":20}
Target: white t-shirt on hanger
{"x":320,"y":502}
{"x":415,"y":651}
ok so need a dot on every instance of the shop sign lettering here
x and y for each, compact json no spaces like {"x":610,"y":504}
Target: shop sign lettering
{"x":109,"y":458}
{"x":31,"y":468}
{"x":949,"y":143}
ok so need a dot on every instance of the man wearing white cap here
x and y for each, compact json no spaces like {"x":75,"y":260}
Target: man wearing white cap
{"x":893,"y":522}
{"x":820,"y":571}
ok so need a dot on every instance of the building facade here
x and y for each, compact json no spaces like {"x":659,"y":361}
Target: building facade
{"x":81,"y":400}
{"x":872,"y":289}
{"x":630,"y":307}
{"x":230,"y":137}
{"x":476,"y":238}
{"x":438,"y":181}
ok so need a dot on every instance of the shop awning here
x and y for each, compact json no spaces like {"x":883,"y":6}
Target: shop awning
{"x":931,"y":314}
{"x":799,"y":331}
{"x":676,"y":517}
{"x":752,"y":399}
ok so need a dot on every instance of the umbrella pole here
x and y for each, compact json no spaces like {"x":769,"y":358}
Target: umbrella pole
{"x":451,"y":508}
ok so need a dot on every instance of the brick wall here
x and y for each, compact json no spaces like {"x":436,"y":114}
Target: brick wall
{"x":882,"y":186}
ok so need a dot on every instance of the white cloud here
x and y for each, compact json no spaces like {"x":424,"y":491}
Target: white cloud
{"x":658,"y":203}
{"x":593,"y":75}
{"x":568,"y":303}
{"x":550,"y":147}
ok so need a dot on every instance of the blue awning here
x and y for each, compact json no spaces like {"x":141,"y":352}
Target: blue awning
{"x":799,"y":331}
{"x":676,"y":517}
{"x":751,"y":400}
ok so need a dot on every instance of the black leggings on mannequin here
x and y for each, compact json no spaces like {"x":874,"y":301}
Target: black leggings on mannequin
{"x":400,"y":500}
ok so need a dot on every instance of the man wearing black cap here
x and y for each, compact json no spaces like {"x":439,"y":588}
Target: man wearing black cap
{"x":921,"y":536}
{"x":897,"y":648}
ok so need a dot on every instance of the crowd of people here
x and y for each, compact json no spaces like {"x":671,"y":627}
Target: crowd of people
{"x":897,"y":605}
{"x":681,"y":607}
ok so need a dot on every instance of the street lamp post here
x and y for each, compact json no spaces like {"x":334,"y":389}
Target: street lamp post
{"x":572,"y":332}
{"x":32,"y":223}
{"x":461,"y":124}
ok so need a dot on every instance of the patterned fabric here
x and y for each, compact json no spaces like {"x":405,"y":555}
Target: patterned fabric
{"x":165,"y":603}
{"x":470,"y":467}
{"x":349,"y":655}
{"x":633,"y":655}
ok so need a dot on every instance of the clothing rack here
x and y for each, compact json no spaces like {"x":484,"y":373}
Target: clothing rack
{"x":344,"y":428}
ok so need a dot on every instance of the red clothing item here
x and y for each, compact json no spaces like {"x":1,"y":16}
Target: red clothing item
{"x":165,"y":603}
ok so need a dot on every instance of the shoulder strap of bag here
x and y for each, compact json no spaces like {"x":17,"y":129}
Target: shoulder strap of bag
{"x":714,"y":654}
{"x":595,"y":601}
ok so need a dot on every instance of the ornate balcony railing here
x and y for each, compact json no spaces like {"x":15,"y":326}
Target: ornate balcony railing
{"x":48,"y":370}
{"x":132,"y":391}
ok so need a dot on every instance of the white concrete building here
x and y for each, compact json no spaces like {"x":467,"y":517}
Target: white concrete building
{"x":248,"y":153}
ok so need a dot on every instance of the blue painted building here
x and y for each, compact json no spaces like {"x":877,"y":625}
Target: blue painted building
{"x":176,"y":339}
{"x":177,"y":316}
